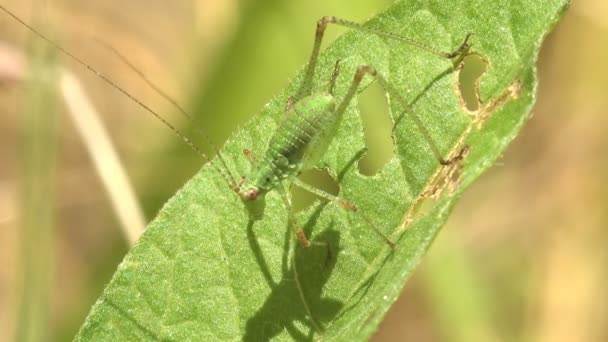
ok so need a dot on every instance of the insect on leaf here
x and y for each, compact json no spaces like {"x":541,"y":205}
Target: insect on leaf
{"x":204,"y":271}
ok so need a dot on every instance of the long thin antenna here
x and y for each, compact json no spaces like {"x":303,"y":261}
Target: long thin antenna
{"x":225,"y":173}
{"x":169,"y":99}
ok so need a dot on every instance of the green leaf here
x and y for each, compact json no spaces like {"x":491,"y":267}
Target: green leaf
{"x":204,"y":271}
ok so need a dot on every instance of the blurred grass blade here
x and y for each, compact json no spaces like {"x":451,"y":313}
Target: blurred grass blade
{"x":204,"y":271}
{"x":458,"y":297}
{"x":38,"y":152}
{"x":105,"y":158}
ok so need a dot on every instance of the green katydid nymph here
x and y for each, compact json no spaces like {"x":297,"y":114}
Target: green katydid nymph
{"x":309,"y":125}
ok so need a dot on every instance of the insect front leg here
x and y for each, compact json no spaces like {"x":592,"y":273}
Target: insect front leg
{"x":344,"y":204}
{"x":299,"y":232}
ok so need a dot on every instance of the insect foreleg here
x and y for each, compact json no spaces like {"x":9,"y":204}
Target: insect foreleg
{"x":344,"y":204}
{"x":249,"y":155}
{"x":299,"y":232}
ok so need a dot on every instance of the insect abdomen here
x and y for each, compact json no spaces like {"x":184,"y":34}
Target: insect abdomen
{"x":305,"y":121}
{"x":297,"y":135}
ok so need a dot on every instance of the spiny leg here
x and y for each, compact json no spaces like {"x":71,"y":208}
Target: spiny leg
{"x":419,"y":96}
{"x":334,"y":78}
{"x":410,"y":41}
{"x":409,"y":110}
{"x":306,"y":86}
{"x":344,"y":204}
{"x":366,"y":69}
{"x":299,"y":232}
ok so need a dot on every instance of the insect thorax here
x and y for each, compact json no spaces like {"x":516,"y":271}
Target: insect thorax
{"x":298,"y":143}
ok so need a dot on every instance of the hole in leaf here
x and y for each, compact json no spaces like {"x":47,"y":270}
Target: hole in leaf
{"x":319,"y":179}
{"x":377,"y":127}
{"x":474,"y":66}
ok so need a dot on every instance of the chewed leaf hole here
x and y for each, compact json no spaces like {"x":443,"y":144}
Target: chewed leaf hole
{"x":319,"y":179}
{"x":474,"y":66}
{"x":377,"y":127}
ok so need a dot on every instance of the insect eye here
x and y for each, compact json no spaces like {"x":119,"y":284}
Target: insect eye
{"x":251,"y":194}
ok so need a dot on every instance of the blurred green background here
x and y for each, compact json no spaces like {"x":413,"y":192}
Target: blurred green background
{"x":523,"y":257}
